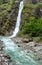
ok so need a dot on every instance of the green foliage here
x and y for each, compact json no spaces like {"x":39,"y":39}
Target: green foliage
{"x":33,"y":27}
{"x":32,"y":20}
{"x":2,"y":1}
{"x":5,"y":8}
{"x":11,"y":2}
{"x":37,"y":39}
{"x":32,"y":9}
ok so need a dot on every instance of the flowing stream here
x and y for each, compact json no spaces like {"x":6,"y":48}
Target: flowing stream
{"x":16,"y":54}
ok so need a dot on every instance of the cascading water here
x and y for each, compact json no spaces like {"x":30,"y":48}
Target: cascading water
{"x":18,"y":20}
{"x":16,"y":54}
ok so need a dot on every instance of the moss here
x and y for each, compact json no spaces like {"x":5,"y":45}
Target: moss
{"x":37,"y":39}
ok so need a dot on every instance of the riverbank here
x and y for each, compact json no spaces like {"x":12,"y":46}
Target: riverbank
{"x":27,"y":44}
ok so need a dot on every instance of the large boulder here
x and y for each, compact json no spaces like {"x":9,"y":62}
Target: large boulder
{"x":26,"y":40}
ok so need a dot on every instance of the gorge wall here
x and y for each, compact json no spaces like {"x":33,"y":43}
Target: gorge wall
{"x":9,"y":12}
{"x":8,"y":16}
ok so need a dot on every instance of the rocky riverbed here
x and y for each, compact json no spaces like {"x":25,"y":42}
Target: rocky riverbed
{"x":34,"y":46}
{"x":4,"y":58}
{"x":24,"y":44}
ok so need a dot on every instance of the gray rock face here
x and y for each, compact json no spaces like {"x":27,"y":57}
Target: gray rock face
{"x":27,"y":1}
{"x":32,"y":1}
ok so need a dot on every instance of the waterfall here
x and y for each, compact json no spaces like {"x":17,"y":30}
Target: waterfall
{"x":16,"y":54}
{"x":18,"y":21}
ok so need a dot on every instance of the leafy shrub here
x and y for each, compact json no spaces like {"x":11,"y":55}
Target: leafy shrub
{"x":33,"y":27}
{"x":2,"y":1}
